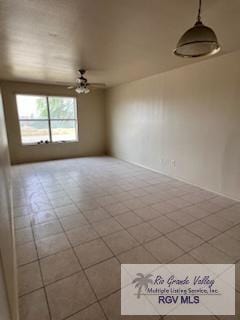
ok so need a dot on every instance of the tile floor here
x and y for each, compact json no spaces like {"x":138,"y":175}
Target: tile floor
{"x":77,"y":220}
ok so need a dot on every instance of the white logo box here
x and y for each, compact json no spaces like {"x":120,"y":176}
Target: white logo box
{"x":178,"y":289}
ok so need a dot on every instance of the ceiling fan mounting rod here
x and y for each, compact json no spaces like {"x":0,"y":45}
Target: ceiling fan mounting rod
{"x":199,"y":11}
{"x":82,"y":71}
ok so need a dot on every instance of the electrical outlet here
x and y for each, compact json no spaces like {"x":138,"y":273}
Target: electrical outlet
{"x":173,"y":163}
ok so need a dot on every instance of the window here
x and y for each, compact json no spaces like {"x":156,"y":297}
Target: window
{"x":45,"y":119}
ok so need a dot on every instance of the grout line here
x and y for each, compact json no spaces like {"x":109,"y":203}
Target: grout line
{"x":124,"y":228}
{"x":83,"y":270}
{"x":44,"y":288}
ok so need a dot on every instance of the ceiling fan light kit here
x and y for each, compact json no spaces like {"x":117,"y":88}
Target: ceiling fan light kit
{"x":82,"y":90}
{"x":83,"y":86}
{"x":197,"y":41}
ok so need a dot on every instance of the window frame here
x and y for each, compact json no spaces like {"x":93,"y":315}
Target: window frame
{"x":48,"y":119}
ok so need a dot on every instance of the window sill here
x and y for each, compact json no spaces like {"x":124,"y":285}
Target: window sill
{"x":49,"y":143}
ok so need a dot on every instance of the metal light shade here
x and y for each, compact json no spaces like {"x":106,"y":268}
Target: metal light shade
{"x":198,"y":41}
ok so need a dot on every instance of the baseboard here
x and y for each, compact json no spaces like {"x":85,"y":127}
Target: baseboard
{"x":178,"y":178}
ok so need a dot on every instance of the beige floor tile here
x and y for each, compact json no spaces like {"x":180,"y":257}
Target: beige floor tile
{"x":112,"y":306}
{"x":47,"y":229}
{"x":163,"y":249}
{"x":123,"y":196}
{"x":234,"y":232}
{"x":127,"y":186}
{"x":218,"y":223}
{"x":40,"y":205}
{"x":185,"y":239}
{"x":179,"y":203}
{"x":55,"y":193}
{"x":223,"y":201}
{"x":43,"y":216}
{"x":103,"y":189}
{"x":19,"y":203}
{"x":73,"y":221}
{"x":144,"y":232}
{"x":231,"y":214}
{"x":228,"y":245}
{"x":105,"y":277}
{"x":92,"y":252}
{"x":59,"y":266}
{"x":22,"y":211}
{"x":52,"y":245}
{"x":134,"y":204}
{"x":22,"y":222}
{"x":105,"y":200}
{"x":107,"y":226}
{"x":211,"y":207}
{"x":26,"y":253}
{"x":61,"y":202}
{"x":29,"y":278}
{"x":66,"y":210}
{"x":33,"y":306}
{"x":113,"y":189}
{"x":23,"y":235}
{"x":128,"y":219}
{"x":120,"y":241}
{"x":138,"y":192}
{"x":37,"y":199}
{"x":116,"y":209}
{"x":181,"y":217}
{"x":87,"y":204}
{"x":164,"y":207}
{"x":206,"y":253}
{"x":81,"y":235}
{"x":150,"y":199}
{"x":69,"y":296}
{"x":147,"y":213}
{"x":164,"y":224}
{"x":77,"y":195}
{"x":137,"y":255}
{"x":202,"y":230}
{"x":185,"y":259}
{"x":94,"y":312}
{"x":196,"y":212}
{"x":96,"y":215}
{"x":193,"y":197}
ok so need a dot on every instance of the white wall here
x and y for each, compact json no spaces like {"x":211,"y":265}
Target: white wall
{"x":91,"y":116}
{"x":7,"y":242}
{"x":190,"y":115}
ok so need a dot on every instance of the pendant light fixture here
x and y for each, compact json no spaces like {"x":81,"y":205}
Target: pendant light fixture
{"x":198,"y":41}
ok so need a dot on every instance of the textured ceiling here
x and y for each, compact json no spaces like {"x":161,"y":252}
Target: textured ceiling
{"x":116,"y":40}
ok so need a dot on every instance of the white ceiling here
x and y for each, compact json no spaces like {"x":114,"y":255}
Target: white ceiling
{"x":116,"y":40}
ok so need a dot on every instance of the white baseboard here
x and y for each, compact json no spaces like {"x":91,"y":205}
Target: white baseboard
{"x":179,"y":179}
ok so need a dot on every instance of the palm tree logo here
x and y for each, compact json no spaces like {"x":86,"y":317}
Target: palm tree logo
{"x":142,"y":281}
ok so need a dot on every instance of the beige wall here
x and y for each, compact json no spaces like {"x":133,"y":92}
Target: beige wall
{"x":7,"y":243}
{"x":184,"y":123}
{"x":91,"y":124}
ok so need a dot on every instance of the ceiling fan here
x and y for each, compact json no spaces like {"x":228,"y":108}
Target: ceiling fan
{"x":83,"y":86}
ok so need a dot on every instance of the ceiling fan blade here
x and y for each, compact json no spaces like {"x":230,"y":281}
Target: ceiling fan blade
{"x":97,"y":85}
{"x":71,"y":87}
